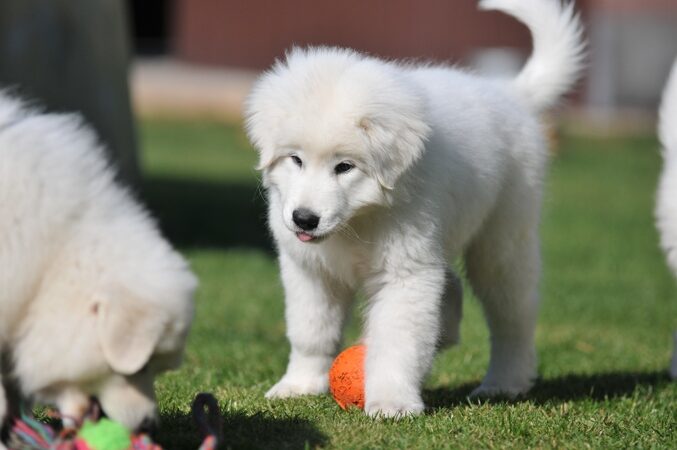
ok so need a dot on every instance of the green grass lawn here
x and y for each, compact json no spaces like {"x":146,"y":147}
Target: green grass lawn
{"x":604,"y":337}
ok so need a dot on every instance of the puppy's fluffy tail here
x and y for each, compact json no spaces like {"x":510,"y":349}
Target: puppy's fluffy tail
{"x":559,"y":49}
{"x":667,"y":126}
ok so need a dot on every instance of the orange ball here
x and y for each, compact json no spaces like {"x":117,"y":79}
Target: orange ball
{"x":346,"y":377}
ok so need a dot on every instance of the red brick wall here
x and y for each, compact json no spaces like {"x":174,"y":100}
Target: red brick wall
{"x":629,"y":6}
{"x":251,"y":33}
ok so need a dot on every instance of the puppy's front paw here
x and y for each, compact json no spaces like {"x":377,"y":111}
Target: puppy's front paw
{"x":391,"y":397}
{"x":393,"y":409}
{"x":296,"y":386}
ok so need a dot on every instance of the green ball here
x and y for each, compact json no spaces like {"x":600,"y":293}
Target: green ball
{"x":105,"y":435}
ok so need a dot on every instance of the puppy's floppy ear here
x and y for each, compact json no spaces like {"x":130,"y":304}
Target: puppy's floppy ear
{"x":264,"y":147}
{"x":396,"y":139}
{"x":266,"y":159}
{"x":263,"y":116}
{"x":129,"y":329}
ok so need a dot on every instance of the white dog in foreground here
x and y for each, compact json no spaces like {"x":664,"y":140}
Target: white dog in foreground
{"x":93,"y":301}
{"x":666,"y":209}
{"x":379,"y":175}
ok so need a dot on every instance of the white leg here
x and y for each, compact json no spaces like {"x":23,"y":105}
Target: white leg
{"x":666,"y":222}
{"x":3,"y":410}
{"x":9,"y":403}
{"x":73,"y":404}
{"x":3,"y":404}
{"x":452,"y":311}
{"x":504,"y":270}
{"x":402,"y":332}
{"x":315,"y":312}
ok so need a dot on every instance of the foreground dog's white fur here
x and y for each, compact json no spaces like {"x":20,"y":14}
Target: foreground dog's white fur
{"x":379,"y":175}
{"x":666,"y":208}
{"x":93,"y":301}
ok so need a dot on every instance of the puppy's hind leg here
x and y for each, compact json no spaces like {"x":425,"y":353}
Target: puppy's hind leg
{"x":452,"y":311}
{"x":504,"y":269}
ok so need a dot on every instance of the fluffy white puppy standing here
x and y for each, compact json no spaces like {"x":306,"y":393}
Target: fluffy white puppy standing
{"x":666,"y":208}
{"x":93,"y":301}
{"x":379,"y":175}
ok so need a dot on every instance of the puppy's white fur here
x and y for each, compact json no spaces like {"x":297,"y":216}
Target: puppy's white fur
{"x":93,"y":301}
{"x":446,"y":164}
{"x":666,"y":207}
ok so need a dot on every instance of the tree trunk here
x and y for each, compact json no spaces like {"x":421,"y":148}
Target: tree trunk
{"x":73,"y":55}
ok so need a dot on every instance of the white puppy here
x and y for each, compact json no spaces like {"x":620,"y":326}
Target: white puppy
{"x":93,"y":301}
{"x":379,"y":175}
{"x":666,"y":208}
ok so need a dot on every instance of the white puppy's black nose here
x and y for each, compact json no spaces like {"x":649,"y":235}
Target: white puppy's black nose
{"x":305,"y":219}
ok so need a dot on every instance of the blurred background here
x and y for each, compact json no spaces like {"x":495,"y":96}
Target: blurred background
{"x":632,"y":45}
{"x":163,"y":82}
{"x":197,"y":59}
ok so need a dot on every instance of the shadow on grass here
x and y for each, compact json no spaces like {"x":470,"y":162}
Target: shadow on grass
{"x":240,"y":431}
{"x":194,"y":213}
{"x":596,"y":387}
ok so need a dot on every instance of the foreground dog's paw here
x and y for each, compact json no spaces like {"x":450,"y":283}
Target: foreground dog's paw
{"x":393,"y":409}
{"x":296,"y":386}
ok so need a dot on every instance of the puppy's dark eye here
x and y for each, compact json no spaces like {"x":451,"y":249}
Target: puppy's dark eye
{"x":296,"y":160}
{"x":343,"y":167}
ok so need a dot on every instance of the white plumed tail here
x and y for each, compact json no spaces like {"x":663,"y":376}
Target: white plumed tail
{"x":667,"y":127}
{"x":559,"y":49}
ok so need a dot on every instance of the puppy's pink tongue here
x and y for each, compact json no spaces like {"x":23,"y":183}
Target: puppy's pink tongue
{"x":304,"y":237}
